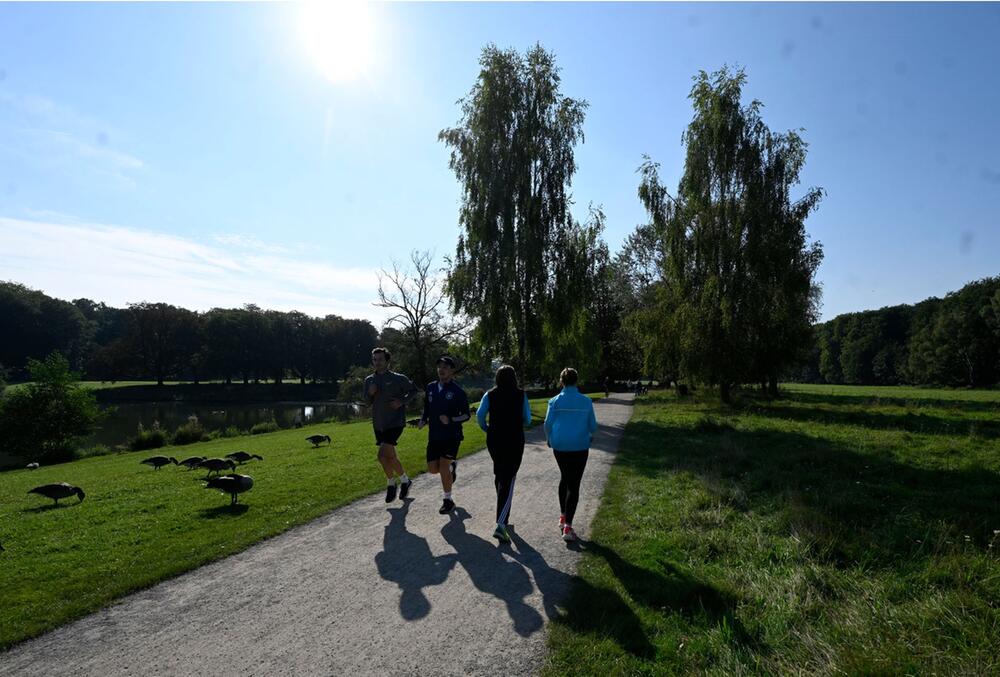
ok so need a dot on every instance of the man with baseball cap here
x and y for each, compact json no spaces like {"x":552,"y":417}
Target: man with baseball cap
{"x":446,"y":408}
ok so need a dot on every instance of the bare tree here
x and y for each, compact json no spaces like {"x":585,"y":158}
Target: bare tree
{"x":417,"y":298}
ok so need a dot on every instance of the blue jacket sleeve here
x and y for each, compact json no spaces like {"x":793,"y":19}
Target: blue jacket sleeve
{"x":548,"y":423}
{"x":463,"y":408}
{"x":484,"y":407}
{"x":426,"y":416}
{"x":592,"y":421}
{"x":527,"y":412}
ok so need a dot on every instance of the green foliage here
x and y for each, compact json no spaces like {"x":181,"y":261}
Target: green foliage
{"x":840,"y":529}
{"x":265,"y":427}
{"x":735,"y":298}
{"x":513,"y":155}
{"x":45,"y":419}
{"x":152,"y":438}
{"x":952,"y":341}
{"x":189,"y":433}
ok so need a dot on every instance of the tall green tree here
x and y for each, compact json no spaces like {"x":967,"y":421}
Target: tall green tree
{"x":513,"y":155}
{"x":738,"y":291}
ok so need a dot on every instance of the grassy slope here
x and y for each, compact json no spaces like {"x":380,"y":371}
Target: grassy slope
{"x":138,"y":526}
{"x":824,"y":533}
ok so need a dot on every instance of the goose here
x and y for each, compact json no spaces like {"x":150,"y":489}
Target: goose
{"x":413,"y":422}
{"x":231,"y":484}
{"x":32,"y":466}
{"x":192,"y":462}
{"x":217,"y":464}
{"x":57,"y":491}
{"x":316,"y":439}
{"x":159,"y":461}
{"x":243,"y":457}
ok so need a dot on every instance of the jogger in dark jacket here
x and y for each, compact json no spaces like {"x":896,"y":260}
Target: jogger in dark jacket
{"x":509,"y":412}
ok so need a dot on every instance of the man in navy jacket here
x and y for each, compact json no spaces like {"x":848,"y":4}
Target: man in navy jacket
{"x":446,"y":408}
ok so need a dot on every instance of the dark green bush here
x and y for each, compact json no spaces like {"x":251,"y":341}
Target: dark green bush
{"x":190,"y":432}
{"x":154,"y":438}
{"x":265,"y":427}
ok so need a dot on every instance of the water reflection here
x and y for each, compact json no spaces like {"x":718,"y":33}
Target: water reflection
{"x":124,"y":419}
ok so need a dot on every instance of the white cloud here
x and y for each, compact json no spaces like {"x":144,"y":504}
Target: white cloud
{"x":120,"y":265}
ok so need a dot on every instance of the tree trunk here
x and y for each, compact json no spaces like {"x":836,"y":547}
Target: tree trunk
{"x":772,"y":386}
{"x":724,"y":391}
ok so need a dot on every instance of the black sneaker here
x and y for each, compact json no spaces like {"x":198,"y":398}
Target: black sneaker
{"x":454,"y":471}
{"x":447,"y":506}
{"x":404,"y":489}
{"x":390,"y":493}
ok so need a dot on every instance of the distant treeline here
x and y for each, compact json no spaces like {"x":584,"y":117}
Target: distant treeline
{"x":159,"y":342}
{"x":954,"y":341}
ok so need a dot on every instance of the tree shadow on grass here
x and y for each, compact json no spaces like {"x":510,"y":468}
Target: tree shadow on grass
{"x":967,"y":405}
{"x":910,"y":422}
{"x":852,"y":508}
{"x":224,"y":511}
{"x":406,"y":560}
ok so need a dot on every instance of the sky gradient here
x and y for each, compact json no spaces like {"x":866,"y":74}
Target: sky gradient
{"x":196,"y":154}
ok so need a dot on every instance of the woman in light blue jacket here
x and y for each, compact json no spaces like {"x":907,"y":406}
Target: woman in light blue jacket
{"x":569,"y":426}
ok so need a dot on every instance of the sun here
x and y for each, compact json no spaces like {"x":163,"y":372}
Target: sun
{"x":336,"y":37}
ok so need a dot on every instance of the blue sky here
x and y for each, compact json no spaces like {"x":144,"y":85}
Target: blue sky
{"x":196,"y":153}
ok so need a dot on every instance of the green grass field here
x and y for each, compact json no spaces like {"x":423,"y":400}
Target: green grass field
{"x":836,"y":530}
{"x":138,"y":526}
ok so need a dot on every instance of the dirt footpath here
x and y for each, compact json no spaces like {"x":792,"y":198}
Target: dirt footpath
{"x":368,"y":589}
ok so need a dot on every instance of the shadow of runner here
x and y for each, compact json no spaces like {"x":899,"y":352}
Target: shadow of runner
{"x":588,"y":609}
{"x":491,"y":572}
{"x":406,"y":560}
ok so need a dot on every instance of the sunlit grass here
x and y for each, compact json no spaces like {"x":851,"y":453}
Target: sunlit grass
{"x":816,"y":534}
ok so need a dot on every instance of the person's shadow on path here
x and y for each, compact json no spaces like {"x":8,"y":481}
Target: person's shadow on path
{"x":579,"y":599}
{"x":491,"y":572}
{"x":406,"y":560}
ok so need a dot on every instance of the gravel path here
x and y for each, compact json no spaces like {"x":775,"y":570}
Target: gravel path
{"x":368,"y":588}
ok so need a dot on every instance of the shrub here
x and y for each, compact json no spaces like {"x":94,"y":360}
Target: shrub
{"x":265,"y":427}
{"x":154,"y":438}
{"x":190,"y":432}
{"x":231,"y":431}
{"x":46,"y":419}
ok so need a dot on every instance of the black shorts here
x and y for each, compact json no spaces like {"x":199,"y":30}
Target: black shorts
{"x":388,"y":436}
{"x":437,"y":449}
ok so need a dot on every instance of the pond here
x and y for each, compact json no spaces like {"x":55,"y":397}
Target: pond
{"x":124,"y":419}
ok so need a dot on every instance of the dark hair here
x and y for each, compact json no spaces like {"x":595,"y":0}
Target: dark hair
{"x":506,"y":378}
{"x":384,"y":351}
{"x":569,"y":376}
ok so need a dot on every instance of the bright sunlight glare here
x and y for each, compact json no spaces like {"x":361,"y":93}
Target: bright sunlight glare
{"x":337,"y":38}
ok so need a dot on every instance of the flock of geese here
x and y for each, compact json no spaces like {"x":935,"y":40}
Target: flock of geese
{"x":232,"y":483}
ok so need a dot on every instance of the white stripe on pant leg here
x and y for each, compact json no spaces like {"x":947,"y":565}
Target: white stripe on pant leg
{"x":506,"y":506}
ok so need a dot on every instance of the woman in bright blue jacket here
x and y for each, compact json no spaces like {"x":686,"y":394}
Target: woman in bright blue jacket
{"x":569,"y":426}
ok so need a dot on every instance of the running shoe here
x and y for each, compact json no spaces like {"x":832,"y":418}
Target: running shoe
{"x":447,"y":506}
{"x":404,"y":489}
{"x":562,"y":522}
{"x":500,"y":533}
{"x":390,"y":493}
{"x":568,"y":534}
{"x":454,"y":471}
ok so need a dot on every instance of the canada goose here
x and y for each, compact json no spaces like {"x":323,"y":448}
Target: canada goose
{"x":57,"y":491}
{"x":32,"y":466}
{"x":159,"y":461}
{"x":231,"y":484}
{"x":191,"y":463}
{"x":217,"y":464}
{"x":243,"y":457}
{"x":316,"y":439}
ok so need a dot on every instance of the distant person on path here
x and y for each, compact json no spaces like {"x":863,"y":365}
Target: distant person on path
{"x":569,"y":427}
{"x":387,"y":393}
{"x":607,"y":387}
{"x":446,"y":408}
{"x":509,"y":412}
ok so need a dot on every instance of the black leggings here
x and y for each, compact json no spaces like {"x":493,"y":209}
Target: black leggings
{"x":506,"y":463}
{"x":571,"y":465}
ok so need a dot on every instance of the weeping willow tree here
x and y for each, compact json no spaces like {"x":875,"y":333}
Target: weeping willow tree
{"x":737,"y":297}
{"x":513,"y":154}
